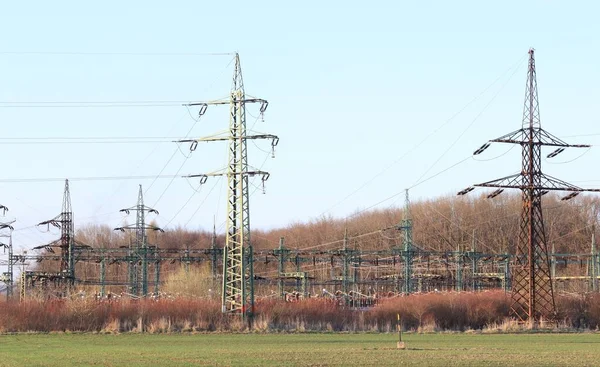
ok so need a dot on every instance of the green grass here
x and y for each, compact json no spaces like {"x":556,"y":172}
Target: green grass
{"x":299,"y":350}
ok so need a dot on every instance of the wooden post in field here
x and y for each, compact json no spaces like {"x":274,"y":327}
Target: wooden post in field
{"x":400,"y":342}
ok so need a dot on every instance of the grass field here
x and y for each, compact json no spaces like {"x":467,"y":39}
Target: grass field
{"x":299,"y":350}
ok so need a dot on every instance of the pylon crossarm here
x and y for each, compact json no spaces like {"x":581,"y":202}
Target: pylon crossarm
{"x":226,"y":101}
{"x":48,"y":246}
{"x":540,"y":137}
{"x":202,"y":176}
{"x":512,"y":181}
{"x":56,"y":222}
{"x":136,"y":208}
{"x":226,"y":138}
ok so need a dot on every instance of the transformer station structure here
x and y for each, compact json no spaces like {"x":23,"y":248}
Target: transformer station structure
{"x":354,"y":276}
{"x":532,"y":285}
{"x":66,"y":243}
{"x":137,"y":265}
{"x":7,"y":277}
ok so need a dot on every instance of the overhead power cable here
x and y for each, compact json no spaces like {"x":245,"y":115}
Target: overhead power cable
{"x":435,"y":131}
{"x":470,"y":124}
{"x":82,"y":53}
{"x":85,"y":178}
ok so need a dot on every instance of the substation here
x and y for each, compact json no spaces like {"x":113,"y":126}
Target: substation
{"x":353,"y":276}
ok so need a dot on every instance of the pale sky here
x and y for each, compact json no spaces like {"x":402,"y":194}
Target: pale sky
{"x":368,"y":98}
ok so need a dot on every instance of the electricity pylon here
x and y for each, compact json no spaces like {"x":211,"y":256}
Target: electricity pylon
{"x":138,"y":251}
{"x":66,"y":243}
{"x":532,"y":291}
{"x":238,"y":271}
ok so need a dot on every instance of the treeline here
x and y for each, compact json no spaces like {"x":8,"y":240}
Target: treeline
{"x":442,"y":224}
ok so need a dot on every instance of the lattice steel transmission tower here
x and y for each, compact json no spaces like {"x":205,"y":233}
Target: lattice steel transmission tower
{"x":66,"y":243}
{"x":532,"y":291}
{"x":137,"y":264}
{"x":238,"y":271}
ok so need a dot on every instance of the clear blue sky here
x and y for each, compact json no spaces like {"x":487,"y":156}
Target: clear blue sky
{"x":352,"y":86}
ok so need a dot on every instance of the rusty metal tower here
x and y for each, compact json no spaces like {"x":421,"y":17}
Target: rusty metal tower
{"x":66,"y":243}
{"x":532,"y":293}
{"x":138,"y":251}
{"x":238,"y":272}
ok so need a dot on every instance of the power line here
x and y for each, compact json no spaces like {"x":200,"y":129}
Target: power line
{"x":82,"y":53}
{"x":46,"y":142}
{"x":470,"y":124}
{"x":116,"y":138}
{"x":514,"y":66}
{"x":114,"y":105}
{"x":84,"y":178}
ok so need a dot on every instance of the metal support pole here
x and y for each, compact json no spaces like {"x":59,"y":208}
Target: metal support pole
{"x":595,"y":260}
{"x":23,"y":285}
{"x":11,"y":275}
{"x":186,"y":262}
{"x":474,"y":265}
{"x":144,"y":255}
{"x":346,"y":267}
{"x":280,"y":267}
{"x":156,"y":259}
{"x":102,"y":276}
{"x":214,"y":266}
{"x":459,"y":270}
{"x":156,"y":277}
{"x":131,"y":272}
{"x":507,"y":280}
{"x":553,"y":267}
{"x":407,"y":226}
{"x":298,"y":263}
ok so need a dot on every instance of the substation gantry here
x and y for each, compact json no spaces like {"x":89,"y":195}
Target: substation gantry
{"x":356,"y":277}
{"x":140,"y":252}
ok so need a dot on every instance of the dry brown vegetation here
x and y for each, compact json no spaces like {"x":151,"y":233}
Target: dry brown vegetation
{"x":427,"y":312}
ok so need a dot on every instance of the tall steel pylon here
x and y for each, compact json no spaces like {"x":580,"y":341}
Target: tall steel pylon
{"x":532,"y":291}
{"x":66,"y":243}
{"x":138,"y":251}
{"x":238,"y":268}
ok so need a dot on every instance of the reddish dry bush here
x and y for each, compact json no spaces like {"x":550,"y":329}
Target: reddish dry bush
{"x":442,"y":311}
{"x":581,"y":311}
{"x":310,"y":314}
{"x":448,"y":311}
{"x":92,"y":316}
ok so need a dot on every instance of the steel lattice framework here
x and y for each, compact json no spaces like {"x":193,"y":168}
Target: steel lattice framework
{"x":138,"y":251}
{"x":7,"y":277}
{"x":66,"y":243}
{"x":532,"y":287}
{"x":406,"y":225}
{"x":238,"y":275}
